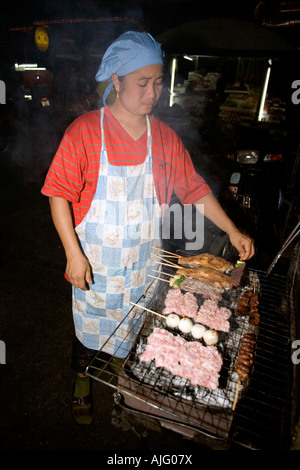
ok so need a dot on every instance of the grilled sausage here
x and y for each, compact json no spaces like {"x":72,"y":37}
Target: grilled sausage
{"x":243,"y":354}
{"x":254,"y":302}
{"x":245,"y":358}
{"x":248,"y":304}
{"x":254,"y":319}
{"x":245,"y":361}
{"x":242,"y":371}
{"x":248,"y":338}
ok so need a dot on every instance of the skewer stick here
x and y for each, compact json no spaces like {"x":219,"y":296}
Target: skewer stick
{"x":236,"y":394}
{"x":159,"y":278}
{"x":170,"y":262}
{"x":167,"y":256}
{"x":151,"y":311}
{"x":162,"y":272}
{"x":170,"y":266}
{"x":173,"y":254}
{"x":254,"y":285}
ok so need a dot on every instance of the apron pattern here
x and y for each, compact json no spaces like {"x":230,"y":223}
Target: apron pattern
{"x":117,"y":236}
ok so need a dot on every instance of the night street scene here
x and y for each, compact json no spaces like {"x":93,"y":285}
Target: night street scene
{"x":230,"y":90}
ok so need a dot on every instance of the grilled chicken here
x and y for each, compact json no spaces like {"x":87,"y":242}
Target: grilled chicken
{"x":208,"y":260}
{"x":213,"y":277}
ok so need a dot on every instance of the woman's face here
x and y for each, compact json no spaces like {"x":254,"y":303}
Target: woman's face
{"x":139,"y":91}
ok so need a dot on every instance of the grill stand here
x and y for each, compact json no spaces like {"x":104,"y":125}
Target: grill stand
{"x":175,"y":414}
{"x":130,"y":416}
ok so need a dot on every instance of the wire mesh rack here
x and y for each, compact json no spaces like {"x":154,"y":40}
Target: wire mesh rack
{"x":261,"y":417}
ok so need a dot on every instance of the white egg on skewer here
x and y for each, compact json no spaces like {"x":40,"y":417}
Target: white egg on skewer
{"x":173,"y":320}
{"x":185,"y":325}
{"x":210,"y":337}
{"x":198,"y":331}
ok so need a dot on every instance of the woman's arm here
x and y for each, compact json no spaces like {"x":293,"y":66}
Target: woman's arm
{"x":214,"y":212}
{"x":78,"y":269}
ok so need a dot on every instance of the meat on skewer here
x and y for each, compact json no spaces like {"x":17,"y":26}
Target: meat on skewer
{"x":245,"y":358}
{"x":208,"y":260}
{"x":209,"y":275}
{"x":248,"y":305}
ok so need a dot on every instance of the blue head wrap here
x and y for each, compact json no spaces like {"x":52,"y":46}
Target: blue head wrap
{"x":131,"y":51}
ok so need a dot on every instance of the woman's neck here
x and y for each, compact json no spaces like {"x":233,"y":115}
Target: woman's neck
{"x":134,"y":125}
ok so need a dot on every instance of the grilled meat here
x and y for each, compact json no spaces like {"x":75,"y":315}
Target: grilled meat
{"x":185,"y":305}
{"x":237,"y":274}
{"x":213,"y":277}
{"x":208,"y":260}
{"x":188,"y":359}
{"x":245,"y":358}
{"x":248,"y":305}
{"x":213,"y":316}
{"x":198,"y":286}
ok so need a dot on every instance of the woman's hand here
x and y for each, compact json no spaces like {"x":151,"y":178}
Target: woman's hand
{"x":214,"y":212}
{"x":78,"y":271}
{"x":243,"y":243}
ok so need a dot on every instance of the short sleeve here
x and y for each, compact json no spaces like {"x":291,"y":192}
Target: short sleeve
{"x":65,"y":177}
{"x":189,"y":185}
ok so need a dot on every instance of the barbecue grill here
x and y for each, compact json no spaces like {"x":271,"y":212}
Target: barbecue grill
{"x":258,"y":414}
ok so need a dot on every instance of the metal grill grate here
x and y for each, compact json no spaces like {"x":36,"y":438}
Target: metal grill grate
{"x":260,"y":419}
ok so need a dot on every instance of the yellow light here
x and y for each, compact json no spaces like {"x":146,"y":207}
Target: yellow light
{"x":41,"y":39}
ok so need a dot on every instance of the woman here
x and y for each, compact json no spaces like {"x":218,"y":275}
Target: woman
{"x":118,"y":168}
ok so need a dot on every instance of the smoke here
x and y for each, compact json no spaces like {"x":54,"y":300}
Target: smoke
{"x":75,"y":51}
{"x":79,"y":33}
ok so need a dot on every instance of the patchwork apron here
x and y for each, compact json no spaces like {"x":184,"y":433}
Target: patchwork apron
{"x":117,"y":235}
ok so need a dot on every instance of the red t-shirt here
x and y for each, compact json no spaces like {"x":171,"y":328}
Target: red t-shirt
{"x":73,"y":173}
